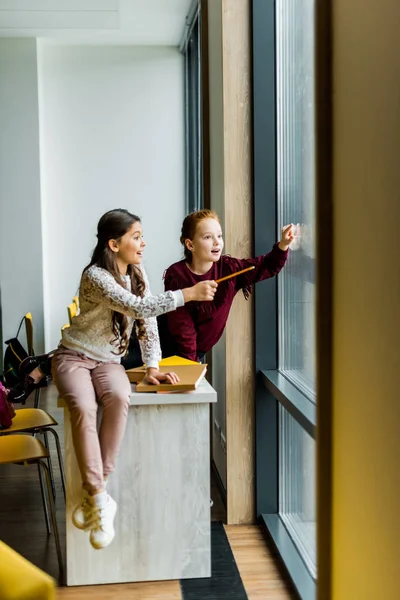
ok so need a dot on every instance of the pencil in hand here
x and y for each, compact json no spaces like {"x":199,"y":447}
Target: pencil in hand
{"x":234,"y":274}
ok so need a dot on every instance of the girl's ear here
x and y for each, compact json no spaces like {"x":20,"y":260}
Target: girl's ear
{"x":113,"y":245}
{"x":189,"y":244}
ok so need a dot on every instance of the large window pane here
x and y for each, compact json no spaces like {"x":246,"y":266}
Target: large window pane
{"x":296,"y":188}
{"x":194,"y":163}
{"x":297,"y":486}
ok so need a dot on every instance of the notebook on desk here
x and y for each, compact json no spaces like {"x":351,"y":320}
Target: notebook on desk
{"x":189,"y":375}
{"x":137,"y":374}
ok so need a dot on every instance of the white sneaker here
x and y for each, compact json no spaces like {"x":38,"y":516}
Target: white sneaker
{"x":101,"y":520}
{"x":81,"y":512}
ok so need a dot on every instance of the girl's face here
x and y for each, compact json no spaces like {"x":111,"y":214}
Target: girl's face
{"x":207,"y":243}
{"x":129,"y":248}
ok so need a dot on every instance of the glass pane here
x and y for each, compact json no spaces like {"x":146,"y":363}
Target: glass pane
{"x":194,"y":120}
{"x":297,"y":486}
{"x":296,"y":188}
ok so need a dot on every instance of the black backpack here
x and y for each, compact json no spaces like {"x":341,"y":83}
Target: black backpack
{"x":14,"y":355}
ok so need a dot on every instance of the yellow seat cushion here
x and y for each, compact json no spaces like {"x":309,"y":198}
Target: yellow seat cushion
{"x":20,"y":448}
{"x":21,"y":580}
{"x":27,"y":419}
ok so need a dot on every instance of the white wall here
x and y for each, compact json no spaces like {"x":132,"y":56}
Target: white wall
{"x":21,"y":280}
{"x":111,"y":136}
{"x":366,"y":178}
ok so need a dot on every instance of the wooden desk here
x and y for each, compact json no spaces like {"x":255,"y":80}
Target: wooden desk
{"x":162,"y":487}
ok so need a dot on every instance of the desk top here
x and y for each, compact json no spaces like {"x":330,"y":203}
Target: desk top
{"x":204,"y":394}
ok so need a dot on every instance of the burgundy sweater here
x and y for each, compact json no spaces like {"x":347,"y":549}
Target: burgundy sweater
{"x":196,"y":327}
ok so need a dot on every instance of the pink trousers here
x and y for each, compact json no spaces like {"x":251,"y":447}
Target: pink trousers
{"x":83,"y":383}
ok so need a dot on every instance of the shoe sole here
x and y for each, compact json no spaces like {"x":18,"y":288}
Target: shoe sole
{"x":98,"y":546}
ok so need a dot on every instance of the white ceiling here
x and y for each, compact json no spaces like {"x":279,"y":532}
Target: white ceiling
{"x":96,"y":22}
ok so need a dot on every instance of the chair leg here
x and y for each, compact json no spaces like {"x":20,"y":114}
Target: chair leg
{"x":60,"y":458}
{"x":49,"y":462}
{"x":45,"y":507}
{"x":37,"y":398}
{"x":45,"y":468}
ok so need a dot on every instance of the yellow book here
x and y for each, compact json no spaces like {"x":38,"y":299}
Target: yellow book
{"x":189,"y":378}
{"x":137,"y":374}
{"x":175,"y":361}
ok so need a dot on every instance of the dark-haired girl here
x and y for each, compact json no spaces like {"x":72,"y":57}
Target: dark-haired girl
{"x":114,"y":295}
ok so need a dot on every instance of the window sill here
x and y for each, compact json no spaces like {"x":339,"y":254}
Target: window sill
{"x":298,"y":405}
{"x":299,"y":574}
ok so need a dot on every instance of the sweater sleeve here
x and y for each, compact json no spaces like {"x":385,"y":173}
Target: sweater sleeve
{"x":266,"y":266}
{"x":150,"y":344}
{"x":181,"y":326}
{"x":99,"y":286}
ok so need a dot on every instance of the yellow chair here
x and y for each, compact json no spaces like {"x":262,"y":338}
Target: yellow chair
{"x":29,"y":333}
{"x":29,"y":450}
{"x":75,"y":300}
{"x":21,"y":580}
{"x":43,"y":425}
{"x":72,"y":311}
{"x":36,"y":420}
{"x":31,"y":351}
{"x":64,"y":327}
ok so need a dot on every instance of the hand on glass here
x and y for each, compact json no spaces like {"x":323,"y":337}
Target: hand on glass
{"x":287,"y":237}
{"x":297,"y":230}
{"x":303,"y":238}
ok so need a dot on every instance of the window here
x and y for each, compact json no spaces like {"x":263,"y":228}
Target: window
{"x":297,"y":486}
{"x":295,"y":127}
{"x":296,"y":188}
{"x":296,"y":286}
{"x":284,"y":192}
{"x":193,"y":107}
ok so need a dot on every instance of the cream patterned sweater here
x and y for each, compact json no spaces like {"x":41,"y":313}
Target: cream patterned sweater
{"x":99,"y":295}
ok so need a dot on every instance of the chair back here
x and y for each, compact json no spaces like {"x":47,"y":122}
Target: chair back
{"x":64,"y":327}
{"x":29,"y":333}
{"x":72,"y":311}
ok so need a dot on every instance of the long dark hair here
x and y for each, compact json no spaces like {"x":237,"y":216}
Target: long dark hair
{"x":112,"y":226}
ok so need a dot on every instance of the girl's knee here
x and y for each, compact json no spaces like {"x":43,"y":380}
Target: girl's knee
{"x":117,"y":398}
{"x":123,"y":399}
{"x":81,"y":412}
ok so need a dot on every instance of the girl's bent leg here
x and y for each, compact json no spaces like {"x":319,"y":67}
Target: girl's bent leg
{"x":72,"y":376}
{"x":113,"y":390}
